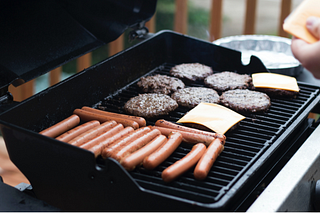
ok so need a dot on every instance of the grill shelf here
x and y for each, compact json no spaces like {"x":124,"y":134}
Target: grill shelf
{"x":255,"y":134}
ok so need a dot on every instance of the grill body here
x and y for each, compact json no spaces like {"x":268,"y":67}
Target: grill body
{"x":71,"y":178}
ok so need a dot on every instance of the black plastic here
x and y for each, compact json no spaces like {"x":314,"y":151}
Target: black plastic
{"x":70,"y":178}
{"x":38,"y":36}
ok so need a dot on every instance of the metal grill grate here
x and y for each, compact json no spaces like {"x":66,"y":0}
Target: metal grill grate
{"x":243,"y":145}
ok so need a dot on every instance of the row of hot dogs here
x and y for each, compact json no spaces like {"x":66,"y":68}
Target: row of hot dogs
{"x":128,"y":140}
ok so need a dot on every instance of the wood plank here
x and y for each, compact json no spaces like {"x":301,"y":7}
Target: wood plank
{"x":215,"y":20}
{"x":116,"y":45}
{"x":55,"y":76}
{"x":151,"y":24}
{"x":284,"y":12}
{"x":250,"y":17}
{"x":181,"y":17}
{"x":84,"y":62}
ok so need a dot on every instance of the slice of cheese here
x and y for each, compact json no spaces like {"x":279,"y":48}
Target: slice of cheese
{"x":295,"y":24}
{"x":277,"y":81}
{"x":216,"y":117}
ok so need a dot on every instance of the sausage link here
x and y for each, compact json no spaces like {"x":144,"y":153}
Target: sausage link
{"x":205,"y":163}
{"x":97,"y":149}
{"x":163,"y":152}
{"x":140,"y":120}
{"x":188,"y":137}
{"x":92,"y":133}
{"x":61,"y":127}
{"x":184,"y":164}
{"x":167,"y":124}
{"x":69,"y":135}
{"x":135,"y":145}
{"x":100,"y":138}
{"x":136,"y":158}
{"x":87,"y":116}
{"x":117,"y":145}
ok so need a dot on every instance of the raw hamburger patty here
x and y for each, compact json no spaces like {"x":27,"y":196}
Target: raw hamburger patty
{"x":150,"y":105}
{"x":191,"y":71}
{"x":161,"y":84}
{"x":191,"y":97}
{"x":227,"y":80}
{"x":244,"y":100}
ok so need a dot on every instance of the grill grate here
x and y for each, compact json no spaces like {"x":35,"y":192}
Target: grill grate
{"x":243,"y":145}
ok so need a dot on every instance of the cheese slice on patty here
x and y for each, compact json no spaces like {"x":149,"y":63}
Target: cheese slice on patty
{"x":275,"y":81}
{"x":295,"y":24}
{"x":213,"y":116}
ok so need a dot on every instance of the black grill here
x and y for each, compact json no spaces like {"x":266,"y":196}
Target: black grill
{"x":255,"y":134}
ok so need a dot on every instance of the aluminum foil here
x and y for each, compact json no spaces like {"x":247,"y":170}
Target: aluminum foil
{"x":273,"y":51}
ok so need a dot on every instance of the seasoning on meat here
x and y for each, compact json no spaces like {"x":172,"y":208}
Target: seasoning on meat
{"x":161,"y":84}
{"x":191,"y":97}
{"x":150,"y":105}
{"x":244,"y":100}
{"x":191,"y":71}
{"x":227,"y":80}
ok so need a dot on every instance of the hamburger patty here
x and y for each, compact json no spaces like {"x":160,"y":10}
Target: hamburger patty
{"x":273,"y":92}
{"x":246,"y":101}
{"x":227,"y":80}
{"x":191,"y":97}
{"x":161,"y":84}
{"x":150,"y":105}
{"x":191,"y":71}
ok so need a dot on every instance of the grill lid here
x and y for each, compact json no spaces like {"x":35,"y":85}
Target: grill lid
{"x":38,"y":36}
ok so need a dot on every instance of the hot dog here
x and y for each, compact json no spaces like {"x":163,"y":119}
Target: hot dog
{"x":209,"y":157}
{"x":87,"y":116}
{"x":102,"y":137}
{"x":62,"y":126}
{"x":97,"y":149}
{"x":167,"y":124}
{"x":140,"y":120}
{"x":69,"y":135}
{"x":163,"y":152}
{"x":184,"y":164}
{"x":117,"y":145}
{"x":92,"y":133}
{"x":135,"y":145}
{"x":187,"y":137}
{"x":136,"y":158}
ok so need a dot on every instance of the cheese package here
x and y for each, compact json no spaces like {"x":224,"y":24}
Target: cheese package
{"x":276,"y":81}
{"x":295,"y":23}
{"x":213,"y":116}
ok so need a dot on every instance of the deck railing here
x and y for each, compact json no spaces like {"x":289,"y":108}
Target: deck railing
{"x":180,"y":25}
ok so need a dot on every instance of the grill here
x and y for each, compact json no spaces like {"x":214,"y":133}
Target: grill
{"x":70,"y":178}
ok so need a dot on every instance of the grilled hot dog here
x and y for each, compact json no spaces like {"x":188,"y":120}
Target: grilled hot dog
{"x":163,"y":152}
{"x":62,"y":126}
{"x":184,"y":164}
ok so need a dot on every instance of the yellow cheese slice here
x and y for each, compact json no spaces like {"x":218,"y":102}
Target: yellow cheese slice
{"x":216,"y":117}
{"x":276,"y":81}
{"x":295,"y":24}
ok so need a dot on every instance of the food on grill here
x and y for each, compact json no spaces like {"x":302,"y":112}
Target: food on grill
{"x":61,"y":127}
{"x":136,"y":158}
{"x":76,"y":131}
{"x":167,"y":124}
{"x":276,"y":93}
{"x":163,"y":152}
{"x":116,"y":145}
{"x":184,"y":164}
{"x":102,"y":137}
{"x":191,"y":71}
{"x":187,"y":136}
{"x":97,"y":149}
{"x":140,"y":120}
{"x":92,"y":133}
{"x":160,"y":84}
{"x":192,"y":96}
{"x":135,"y":145}
{"x":150,"y":105}
{"x":87,"y":116}
{"x":208,"y":158}
{"x":244,"y":100}
{"x":227,"y":80}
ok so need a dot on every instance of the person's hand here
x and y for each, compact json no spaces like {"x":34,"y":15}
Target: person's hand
{"x":309,"y":54}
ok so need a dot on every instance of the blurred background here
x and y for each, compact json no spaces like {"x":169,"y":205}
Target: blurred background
{"x":197,"y":18}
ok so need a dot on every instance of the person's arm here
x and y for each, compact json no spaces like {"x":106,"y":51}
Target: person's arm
{"x":309,"y":54}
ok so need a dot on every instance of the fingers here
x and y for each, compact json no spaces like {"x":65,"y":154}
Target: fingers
{"x":313,"y":25}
